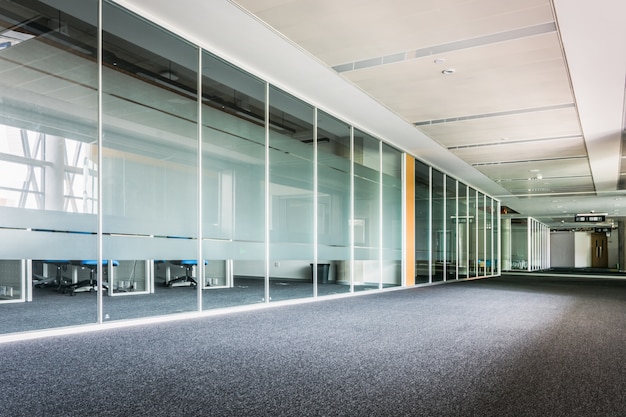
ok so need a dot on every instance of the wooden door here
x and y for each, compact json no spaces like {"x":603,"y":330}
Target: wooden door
{"x":599,"y":251}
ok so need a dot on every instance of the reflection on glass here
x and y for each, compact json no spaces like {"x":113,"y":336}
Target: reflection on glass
{"x":438,"y":236}
{"x":158,"y":167}
{"x":48,"y":128}
{"x":463,"y":232}
{"x":481,"y":248}
{"x":519,"y":244}
{"x":233,"y":184}
{"x":422,"y":223}
{"x":489,"y":210}
{"x":451,"y":230}
{"x":291,"y":143}
{"x":392,"y":215}
{"x":366,"y":221}
{"x":473,"y":232}
{"x":149,"y":171}
{"x":333,"y":200}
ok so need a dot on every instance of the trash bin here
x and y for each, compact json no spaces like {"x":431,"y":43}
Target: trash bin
{"x":322,"y":273}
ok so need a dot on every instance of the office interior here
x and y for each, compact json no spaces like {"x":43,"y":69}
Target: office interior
{"x":145,"y":176}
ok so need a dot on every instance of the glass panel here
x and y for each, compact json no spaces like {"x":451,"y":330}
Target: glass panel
{"x":233,"y":184}
{"x":392,"y":216}
{"x":149,"y":171}
{"x":489,"y":264}
{"x":496,"y":237}
{"x":422,"y":223}
{"x":519,"y":244}
{"x":482,"y":234}
{"x":451,"y":229}
{"x":438,"y":236}
{"x":473,"y":232}
{"x":291,"y":196}
{"x":366,"y":223}
{"x":12,"y":280}
{"x":462,"y":237}
{"x":333,"y":200}
{"x":48,"y":154}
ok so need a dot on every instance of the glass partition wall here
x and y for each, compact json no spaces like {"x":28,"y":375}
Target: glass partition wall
{"x":456,"y":229}
{"x":145,"y":176}
{"x":526,"y":245}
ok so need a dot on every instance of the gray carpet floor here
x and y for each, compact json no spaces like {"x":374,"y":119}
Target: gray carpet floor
{"x":50,"y":308}
{"x":509,"y":346}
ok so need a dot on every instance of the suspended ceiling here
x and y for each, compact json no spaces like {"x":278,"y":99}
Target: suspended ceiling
{"x":532,"y":113}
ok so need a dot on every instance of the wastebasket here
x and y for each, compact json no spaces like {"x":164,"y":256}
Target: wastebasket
{"x":322,"y":273}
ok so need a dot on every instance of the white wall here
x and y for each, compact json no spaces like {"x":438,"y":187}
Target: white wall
{"x":582,"y":249}
{"x":562,"y":250}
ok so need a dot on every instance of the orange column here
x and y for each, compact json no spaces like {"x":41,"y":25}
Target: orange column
{"x":409,"y":221}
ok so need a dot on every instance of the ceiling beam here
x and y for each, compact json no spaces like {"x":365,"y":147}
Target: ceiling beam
{"x":597,"y":62}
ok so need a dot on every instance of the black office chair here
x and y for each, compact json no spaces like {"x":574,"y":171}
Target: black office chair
{"x":56,"y":280}
{"x":187,"y":279}
{"x":89,"y":285}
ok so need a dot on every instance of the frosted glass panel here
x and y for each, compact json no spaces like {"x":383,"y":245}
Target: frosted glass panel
{"x":149,"y":172}
{"x":333,"y":201}
{"x":333,"y":187}
{"x":392,"y":216}
{"x":48,"y":113}
{"x":291,"y":197}
{"x":48,"y":154}
{"x":233,"y":184}
{"x":150,"y":133}
{"x":233,"y":156}
{"x":367,"y":211}
{"x":291,"y":173}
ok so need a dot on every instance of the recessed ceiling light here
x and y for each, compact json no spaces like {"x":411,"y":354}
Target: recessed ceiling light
{"x":448,"y":71}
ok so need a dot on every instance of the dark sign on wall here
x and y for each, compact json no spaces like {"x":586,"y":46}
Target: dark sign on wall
{"x":590,"y":218}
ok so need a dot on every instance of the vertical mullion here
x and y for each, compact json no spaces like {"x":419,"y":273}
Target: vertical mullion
{"x":381,"y":239}
{"x":100,"y":273}
{"x":266,"y":273}
{"x":430,"y":224}
{"x":200,"y":270}
{"x":351,"y":221}
{"x":444,"y":268}
{"x":456,"y":228}
{"x":315,"y":202}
